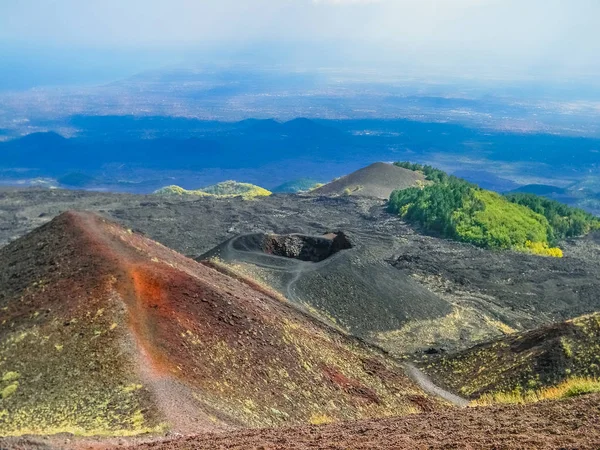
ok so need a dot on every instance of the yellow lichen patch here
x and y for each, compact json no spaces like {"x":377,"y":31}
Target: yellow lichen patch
{"x":325,"y":317}
{"x":9,"y":390}
{"x":132,"y":387}
{"x":225,"y":189}
{"x":569,"y":388}
{"x":504,"y":328}
{"x":320,"y":419}
{"x":463,"y":323}
{"x":67,"y":379}
{"x":567,"y":347}
{"x":10,"y":376}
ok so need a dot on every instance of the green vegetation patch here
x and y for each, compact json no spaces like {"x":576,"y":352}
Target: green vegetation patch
{"x":226,"y":189}
{"x":565,"y":221}
{"x":454,"y":208}
{"x":10,"y":376}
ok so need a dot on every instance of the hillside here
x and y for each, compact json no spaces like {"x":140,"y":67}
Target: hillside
{"x":453,"y":208}
{"x":106,"y":332}
{"x":377,"y":181}
{"x":582,"y":194}
{"x":539,"y":189}
{"x":524,"y":364}
{"x":565,"y":221}
{"x":225,"y":189}
{"x":331,"y":275}
{"x":423,"y":292}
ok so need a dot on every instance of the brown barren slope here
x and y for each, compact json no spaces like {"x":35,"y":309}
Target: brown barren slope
{"x":377,"y":180}
{"x":572,"y":424}
{"x":105,"y":332}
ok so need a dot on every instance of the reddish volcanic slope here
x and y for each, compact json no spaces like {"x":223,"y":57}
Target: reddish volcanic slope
{"x":105,"y":332}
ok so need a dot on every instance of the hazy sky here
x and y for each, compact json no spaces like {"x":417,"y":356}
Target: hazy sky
{"x":560,"y":37}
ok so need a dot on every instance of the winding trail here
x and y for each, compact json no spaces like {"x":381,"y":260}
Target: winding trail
{"x":293,"y":267}
{"x":297,"y":268}
{"x":428,"y":386}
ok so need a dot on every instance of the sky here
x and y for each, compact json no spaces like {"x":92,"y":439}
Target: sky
{"x":542,"y":38}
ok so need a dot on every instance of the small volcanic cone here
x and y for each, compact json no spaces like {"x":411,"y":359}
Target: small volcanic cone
{"x":105,"y":332}
{"x":377,"y":181}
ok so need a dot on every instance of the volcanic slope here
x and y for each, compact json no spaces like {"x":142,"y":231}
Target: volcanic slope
{"x":340,"y":277}
{"x":526,"y":363}
{"x":377,"y":181}
{"x":571,"y":424}
{"x":105,"y":332}
{"x":414,"y":293}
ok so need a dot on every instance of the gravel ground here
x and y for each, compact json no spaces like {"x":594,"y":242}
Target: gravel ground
{"x":405,"y":291}
{"x":573,"y":424}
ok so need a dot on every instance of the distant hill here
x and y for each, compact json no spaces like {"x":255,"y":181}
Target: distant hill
{"x":300,"y":127}
{"x":539,"y":189}
{"x":38,"y":150}
{"x":518,"y":365}
{"x":258,"y":126}
{"x":487,"y":180}
{"x":76,"y":179}
{"x":225,"y":189}
{"x":583,"y":194}
{"x":299,"y":185}
{"x":109,"y":333}
{"x":377,"y":180}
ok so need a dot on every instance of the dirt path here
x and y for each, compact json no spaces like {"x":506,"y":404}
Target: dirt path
{"x":293,"y":267}
{"x":297,"y":269}
{"x":428,"y":386}
{"x":181,"y":409}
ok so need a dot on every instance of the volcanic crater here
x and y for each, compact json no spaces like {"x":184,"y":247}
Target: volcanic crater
{"x":296,"y":246}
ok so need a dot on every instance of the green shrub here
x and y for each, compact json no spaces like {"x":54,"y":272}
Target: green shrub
{"x":581,"y":387}
{"x":565,"y":221}
{"x":431,"y":173}
{"x":454,"y":208}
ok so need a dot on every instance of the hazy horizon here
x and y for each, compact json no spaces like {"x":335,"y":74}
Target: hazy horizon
{"x":70,"y":42}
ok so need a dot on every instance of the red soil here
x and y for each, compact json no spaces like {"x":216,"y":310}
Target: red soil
{"x":350,"y":386}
